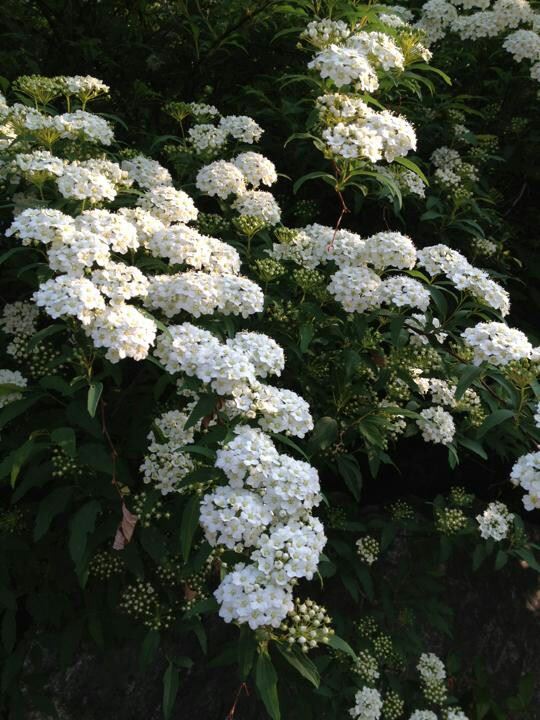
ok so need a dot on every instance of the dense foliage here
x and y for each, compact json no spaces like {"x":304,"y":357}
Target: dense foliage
{"x":269,"y":363}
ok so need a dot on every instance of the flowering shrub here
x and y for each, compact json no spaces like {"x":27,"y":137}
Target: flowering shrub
{"x":203,"y":382}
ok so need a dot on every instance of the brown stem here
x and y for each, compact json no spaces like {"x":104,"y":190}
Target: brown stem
{"x":230,"y":714}
{"x":343,"y":209}
{"x":114,"y":452}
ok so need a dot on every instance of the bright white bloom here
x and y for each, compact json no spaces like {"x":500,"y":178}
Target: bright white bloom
{"x":146,"y":224}
{"x":258,"y":204}
{"x":111,"y":170}
{"x":496,"y":343}
{"x":436,"y":425}
{"x":242,"y":128}
{"x":308,"y":247}
{"x":261,"y":350}
{"x":165,"y":466}
{"x":390,"y":249}
{"x":84,"y":85}
{"x":147,"y":173}
{"x":207,"y":138}
{"x":113,"y":229}
{"x":64,"y":295}
{"x":379,"y":48}
{"x":278,"y":410}
{"x":251,"y":453}
{"x":40,"y":225}
{"x":476,"y":26}
{"x":536,"y":412}
{"x":511,"y":13}
{"x":234,"y":518}
{"x":203,"y":110}
{"x":168,"y":204}
{"x":256,"y":169}
{"x":423,"y":715}
{"x":124,"y":331}
{"x":178,"y":349}
{"x":526,"y":473}
{"x":77,"y":251}
{"x":367,"y":705}
{"x":523,"y":45}
{"x":39,"y":162}
{"x":11,"y":377}
{"x":221,"y":179}
{"x":495,"y":521}
{"x":356,"y":288}
{"x":437,"y":17}
{"x":248,"y":596}
{"x":456,"y":714}
{"x":120,"y":282}
{"x":321,"y":33}
{"x":81,"y":183}
{"x":19,"y":318}
{"x":289,"y":486}
{"x":431,"y":668}
{"x":345,"y":66}
{"x":84,"y":125}
{"x":401,"y":290}
{"x":184,"y":245}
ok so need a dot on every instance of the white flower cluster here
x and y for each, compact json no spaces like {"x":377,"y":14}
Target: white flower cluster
{"x":11,"y":378}
{"x":451,"y":170}
{"x":431,"y":668}
{"x":19,"y":318}
{"x":440,"y":259}
{"x":168,"y":204}
{"x":423,"y":715}
{"x":207,"y":138}
{"x":436,"y":425}
{"x":367,"y":704}
{"x":526,"y":474}
{"x":496,"y":343}
{"x":265,"y":509}
{"x":495,"y":521}
{"x":183,"y":245}
{"x":258,"y":204}
{"x":145,"y":172}
{"x":321,"y":33}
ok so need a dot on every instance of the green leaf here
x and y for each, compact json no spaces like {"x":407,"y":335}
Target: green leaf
{"x":476,"y":447}
{"x":266,"y":682}
{"x":317,"y":174}
{"x":324,"y":434}
{"x":44,"y":334}
{"x":468,"y":376}
{"x":171,"y":682}
{"x":301,"y":662}
{"x":204,"y":407}
{"x":410,"y":165}
{"x":94,"y":394}
{"x":188,"y":525}
{"x":339,"y":644}
{"x":247,"y":647}
{"x":64,"y":437}
{"x":49,"y":508}
{"x":501,"y":559}
{"x":81,"y":525}
{"x":306,"y":333}
{"x":349,"y":470}
{"x":149,"y":647}
{"x":496,"y":418}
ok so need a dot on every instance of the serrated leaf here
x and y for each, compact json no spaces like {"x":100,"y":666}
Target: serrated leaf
{"x":266,"y":682}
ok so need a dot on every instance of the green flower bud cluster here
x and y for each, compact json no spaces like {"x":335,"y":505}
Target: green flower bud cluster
{"x":393,"y":706}
{"x":522,"y":372}
{"x":304,"y":211}
{"x":383,"y":647}
{"x":450,"y":521}
{"x":367,"y":627}
{"x":212,"y":224}
{"x":268,"y":269}
{"x":519,"y":125}
{"x":460,"y":497}
{"x":141,"y":602}
{"x":366,"y":667}
{"x":13,"y":522}
{"x":285,"y":235}
{"x":434,"y":692}
{"x":456,"y":117}
{"x":65,"y":466}
{"x":368,"y":549}
{"x":249,"y":225}
{"x":335,"y":517}
{"x":106,"y":564}
{"x":148,"y":508}
{"x":401,"y":510}
{"x":307,"y":625}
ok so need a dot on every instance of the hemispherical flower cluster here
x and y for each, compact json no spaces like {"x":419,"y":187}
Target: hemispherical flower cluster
{"x":258,"y":204}
{"x":207,"y":138}
{"x":355,"y":288}
{"x":256,"y":169}
{"x":113,"y":229}
{"x":39,"y":165}
{"x":401,"y":290}
{"x":345,"y":66}
{"x":19,"y":318}
{"x":241,"y":128}
{"x":423,"y":715}
{"x":431,"y":668}
{"x":390,"y":249}
{"x":11,"y":377}
{"x":367,"y":705}
{"x":307,"y":625}
{"x":123,"y":330}
{"x":145,"y":172}
{"x":168,"y":204}
{"x":84,"y":183}
{"x":379,"y":48}
{"x":184,"y":245}
{"x":266,"y":355}
{"x":234,"y":518}
{"x":495,"y":521}
{"x":221,"y":179}
{"x":39,"y":225}
{"x":496,"y":343}
{"x":368,"y":549}
{"x":321,"y":33}
{"x":120,"y":282}
{"x":277,"y":409}
{"x":436,"y":425}
{"x":526,"y":474}
{"x":65,"y":295}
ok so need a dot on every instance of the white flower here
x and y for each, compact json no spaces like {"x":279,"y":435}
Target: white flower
{"x":145,"y":224}
{"x":39,"y":225}
{"x":234,"y":518}
{"x":11,"y":377}
{"x":356,"y":288}
{"x":251,"y":453}
{"x":145,"y":172}
{"x":379,"y":48}
{"x":182,"y":244}
{"x":120,"y":282}
{"x":423,"y":715}
{"x":436,"y":425}
{"x":165,"y":467}
{"x":168,"y":204}
{"x":401,"y":290}
{"x":221,"y":179}
{"x":113,"y":229}
{"x":496,"y":343}
{"x":278,"y":409}
{"x":367,"y":704}
{"x":261,"y":350}
{"x":64,"y":295}
{"x":256,"y":169}
{"x":345,"y":66}
{"x":258,"y":204}
{"x":124,"y":331}
{"x":38,"y":162}
{"x":321,"y":33}
{"x":526,"y":473}
{"x":19,"y":318}
{"x":82,"y":183}
{"x":206,"y":137}
{"x":431,"y":668}
{"x":85,"y":125}
{"x":390,"y":249}
{"x":495,"y":521}
{"x":242,"y":128}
